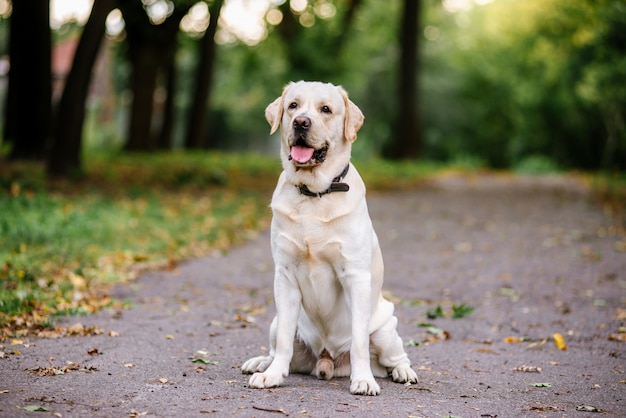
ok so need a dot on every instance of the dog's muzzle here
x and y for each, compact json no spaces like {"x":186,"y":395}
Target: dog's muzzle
{"x":301,"y":153}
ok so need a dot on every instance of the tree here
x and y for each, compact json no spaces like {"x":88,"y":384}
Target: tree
{"x":197,"y":125}
{"x":406,"y":143}
{"x":65,"y":155}
{"x":300,"y":31}
{"x":151,"y":47}
{"x":29,"y":96}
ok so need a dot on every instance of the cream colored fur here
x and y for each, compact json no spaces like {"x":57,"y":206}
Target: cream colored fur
{"x":331,"y":318}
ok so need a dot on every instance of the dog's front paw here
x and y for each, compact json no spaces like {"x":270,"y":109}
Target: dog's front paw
{"x":266,"y":379}
{"x":404,"y":374}
{"x":365,"y":387}
{"x":256,"y":364}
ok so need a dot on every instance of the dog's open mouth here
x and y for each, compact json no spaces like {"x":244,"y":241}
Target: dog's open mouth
{"x":302,"y":154}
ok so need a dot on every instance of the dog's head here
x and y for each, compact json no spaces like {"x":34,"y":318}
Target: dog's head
{"x":318,"y":125}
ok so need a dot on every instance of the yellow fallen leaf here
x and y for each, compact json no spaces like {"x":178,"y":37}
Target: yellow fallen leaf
{"x":510,"y":340}
{"x":617,"y":337}
{"x":16,"y":342}
{"x":163,"y":380}
{"x":169,"y":337}
{"x":559,"y":341}
{"x":485,"y":350}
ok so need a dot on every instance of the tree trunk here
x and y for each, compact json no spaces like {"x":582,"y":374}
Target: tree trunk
{"x":29,"y":96}
{"x":65,"y":154}
{"x":143,"y":83}
{"x":407,"y":143}
{"x":151,"y":51}
{"x":164,"y":141}
{"x":198,"y":117}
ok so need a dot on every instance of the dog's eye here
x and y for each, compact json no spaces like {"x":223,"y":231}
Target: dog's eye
{"x":326,"y":109}
{"x":293,"y":105}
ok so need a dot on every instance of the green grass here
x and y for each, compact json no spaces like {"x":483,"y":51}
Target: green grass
{"x":63,"y":242}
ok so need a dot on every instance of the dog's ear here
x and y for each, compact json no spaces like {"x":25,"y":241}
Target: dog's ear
{"x":274,"y":111}
{"x":354,"y":118}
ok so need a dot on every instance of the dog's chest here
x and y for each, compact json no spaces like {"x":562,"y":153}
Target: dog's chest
{"x":309,"y":245}
{"x":316,"y":231}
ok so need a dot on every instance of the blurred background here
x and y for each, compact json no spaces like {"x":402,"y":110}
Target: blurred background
{"x":539,"y":84}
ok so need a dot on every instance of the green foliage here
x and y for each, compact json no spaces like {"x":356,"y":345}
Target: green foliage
{"x":435,"y":313}
{"x":517,"y":79}
{"x":461,"y":311}
{"x":59,"y":243}
{"x":456,"y":312}
{"x":536,"y":164}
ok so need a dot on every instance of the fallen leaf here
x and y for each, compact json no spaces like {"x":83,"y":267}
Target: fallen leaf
{"x":16,"y":342}
{"x":246,"y":319}
{"x":461,"y":311}
{"x":163,"y":380}
{"x":587,"y":408}
{"x":511,"y":340}
{"x":537,"y":343}
{"x":485,"y":350}
{"x":169,"y":337}
{"x":36,"y":408}
{"x":93,"y":351}
{"x":434,"y":313}
{"x":4,"y":391}
{"x":543,"y":408}
{"x":617,"y":337}
{"x":559,"y":341}
{"x":204,"y":361}
{"x":114,"y":334}
{"x":541,"y":385}
{"x":129,"y":365}
{"x":527,"y":369}
{"x":76,"y":329}
{"x":56,"y":370}
{"x":435,"y":331}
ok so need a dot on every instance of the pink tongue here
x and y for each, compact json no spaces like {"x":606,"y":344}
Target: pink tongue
{"x":301,"y":154}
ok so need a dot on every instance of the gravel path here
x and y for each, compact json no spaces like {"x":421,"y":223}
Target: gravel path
{"x":533,"y":256}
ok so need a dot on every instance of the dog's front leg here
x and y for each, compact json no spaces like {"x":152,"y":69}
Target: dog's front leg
{"x":359,"y":299}
{"x":288,"y":300}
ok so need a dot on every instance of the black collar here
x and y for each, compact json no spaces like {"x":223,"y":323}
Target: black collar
{"x":335,"y":186}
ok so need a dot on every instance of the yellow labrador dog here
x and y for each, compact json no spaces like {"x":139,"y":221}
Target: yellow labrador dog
{"x":331,"y":318}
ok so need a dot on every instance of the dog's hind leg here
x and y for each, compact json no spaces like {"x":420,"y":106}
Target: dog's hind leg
{"x":391,"y":355}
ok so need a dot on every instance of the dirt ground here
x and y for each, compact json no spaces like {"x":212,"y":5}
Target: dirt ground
{"x":533,"y":256}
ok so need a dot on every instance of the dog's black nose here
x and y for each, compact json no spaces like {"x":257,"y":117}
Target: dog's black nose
{"x":301,"y":123}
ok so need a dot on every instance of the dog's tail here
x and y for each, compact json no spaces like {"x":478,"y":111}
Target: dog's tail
{"x":325,"y":366}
